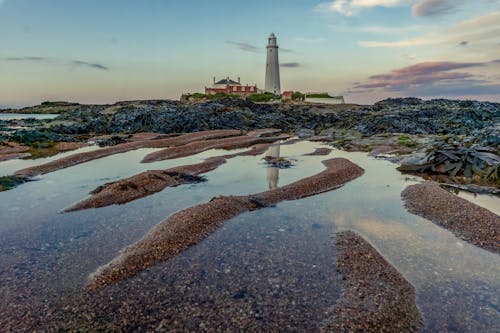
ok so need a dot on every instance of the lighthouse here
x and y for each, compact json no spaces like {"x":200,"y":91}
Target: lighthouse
{"x":272,"y":67}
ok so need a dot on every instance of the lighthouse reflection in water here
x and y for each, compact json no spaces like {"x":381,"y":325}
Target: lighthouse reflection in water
{"x":273,"y":172}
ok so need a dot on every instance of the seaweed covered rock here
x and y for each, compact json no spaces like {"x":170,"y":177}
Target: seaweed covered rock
{"x":415,"y":116}
{"x":458,"y":160}
{"x":30,"y":137}
{"x":9,"y":182}
{"x":409,"y":116}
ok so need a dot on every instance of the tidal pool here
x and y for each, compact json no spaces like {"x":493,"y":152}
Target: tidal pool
{"x":15,"y":116}
{"x":269,"y":269}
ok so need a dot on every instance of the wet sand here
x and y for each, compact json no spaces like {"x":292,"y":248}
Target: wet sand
{"x":201,"y":146}
{"x":375,"y":297}
{"x":153,"y":181}
{"x":466,"y":220}
{"x":122,"y":148}
{"x":191,"y":225}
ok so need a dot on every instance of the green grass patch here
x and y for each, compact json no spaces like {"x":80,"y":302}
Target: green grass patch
{"x":405,"y":140}
{"x":298,"y":96}
{"x":200,"y":96}
{"x":320,"y":95}
{"x":264,"y":97}
{"x":42,"y":149}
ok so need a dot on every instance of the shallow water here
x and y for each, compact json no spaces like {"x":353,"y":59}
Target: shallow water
{"x":15,"y":116}
{"x":10,"y":166}
{"x":271,"y":268}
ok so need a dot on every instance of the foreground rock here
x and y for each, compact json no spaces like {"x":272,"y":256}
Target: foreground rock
{"x":466,"y":220}
{"x":153,"y":181}
{"x":9,"y":182}
{"x":461,"y":161}
{"x":191,"y":225}
{"x":122,"y":148}
{"x":375,"y":297}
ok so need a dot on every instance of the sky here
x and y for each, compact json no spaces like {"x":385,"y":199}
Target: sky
{"x":94,"y":51}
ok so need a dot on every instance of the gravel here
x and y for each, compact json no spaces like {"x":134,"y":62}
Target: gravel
{"x":466,"y":220}
{"x":374,"y":297}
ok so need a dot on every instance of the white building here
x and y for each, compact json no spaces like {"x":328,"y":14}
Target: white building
{"x":272,"y":67}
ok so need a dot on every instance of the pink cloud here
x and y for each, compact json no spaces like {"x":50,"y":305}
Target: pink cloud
{"x":430,"y":78}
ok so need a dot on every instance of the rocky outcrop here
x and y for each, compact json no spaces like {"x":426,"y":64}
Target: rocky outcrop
{"x":406,"y":115}
{"x":466,"y":161}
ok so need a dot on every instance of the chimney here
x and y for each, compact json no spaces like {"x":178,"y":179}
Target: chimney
{"x":214,"y":79}
{"x":239,"y":79}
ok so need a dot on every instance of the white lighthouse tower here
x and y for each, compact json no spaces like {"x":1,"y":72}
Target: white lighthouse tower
{"x":272,"y":67}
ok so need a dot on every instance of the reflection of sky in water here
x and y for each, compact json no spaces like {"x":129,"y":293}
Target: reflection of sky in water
{"x":10,"y":166}
{"x":14,"y":116}
{"x":487,"y":201}
{"x":446,"y":272}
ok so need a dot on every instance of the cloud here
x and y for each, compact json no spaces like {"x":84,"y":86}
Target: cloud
{"x":420,"y":8}
{"x":25,"y":58}
{"x":245,"y":46}
{"x":422,"y":73}
{"x":353,"y":7}
{"x":389,"y":30}
{"x":432,"y":79}
{"x":435,"y":7}
{"x":89,"y":64}
{"x":78,"y":63}
{"x":310,"y":40}
{"x":290,"y":64}
{"x":483,"y":28}
{"x":252,"y":48}
{"x":400,"y":43}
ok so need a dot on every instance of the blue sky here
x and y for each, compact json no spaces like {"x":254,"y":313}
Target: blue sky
{"x":104,"y":51}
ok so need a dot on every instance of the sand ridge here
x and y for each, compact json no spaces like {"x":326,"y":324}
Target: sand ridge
{"x":122,"y":148}
{"x":153,"y":181}
{"x":375,"y":297}
{"x":468,"y":221}
{"x":189,"y":226}
{"x":201,"y":146}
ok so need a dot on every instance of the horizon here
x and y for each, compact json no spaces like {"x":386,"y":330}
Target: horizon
{"x":364,"y":50}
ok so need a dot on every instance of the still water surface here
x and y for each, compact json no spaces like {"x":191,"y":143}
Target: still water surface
{"x":16,"y":116}
{"x":276,"y":263}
